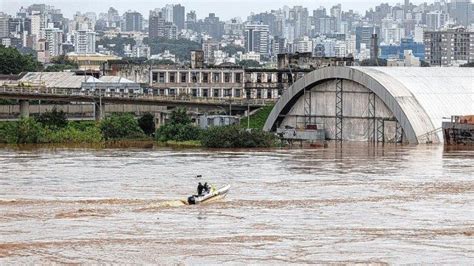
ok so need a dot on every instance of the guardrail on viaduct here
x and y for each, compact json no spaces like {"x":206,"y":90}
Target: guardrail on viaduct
{"x":74,"y":95}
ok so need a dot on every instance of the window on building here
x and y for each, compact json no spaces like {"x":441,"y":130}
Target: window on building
{"x":269,"y":78}
{"x":205,"y":77}
{"x":279,"y":78}
{"x":161,"y":77}
{"x":216,"y":77}
{"x":194,"y":92}
{"x":215,"y":93}
{"x":162,"y":91}
{"x":248,"y":93}
{"x":290,"y":78}
{"x":227,"y":77}
{"x":259,"y":94}
{"x":227,"y":92}
{"x":172,"y":77}
{"x":172,"y":91}
{"x":194,"y":77}
{"x":237,"y":93}
{"x":154,"y":77}
{"x":238,"y":78}
{"x":269,"y":94}
{"x":184,"y":77}
{"x":259,"y":77}
{"x":205,"y":93}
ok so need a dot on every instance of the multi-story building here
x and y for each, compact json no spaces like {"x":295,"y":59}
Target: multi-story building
{"x":364,"y":35}
{"x":208,"y":47}
{"x":304,"y":45}
{"x":257,"y":38}
{"x":435,"y":20}
{"x":84,"y":42}
{"x":4,"y":28}
{"x":449,"y":47}
{"x":133,"y":21}
{"x":178,"y":16}
{"x":461,"y":11}
{"x":159,"y":27}
{"x":54,"y":37}
{"x":37,"y":25}
{"x":156,"y":24}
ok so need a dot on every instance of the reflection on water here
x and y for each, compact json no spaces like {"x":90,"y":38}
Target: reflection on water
{"x":123,"y":205}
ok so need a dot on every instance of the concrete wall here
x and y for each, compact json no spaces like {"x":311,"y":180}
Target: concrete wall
{"x":76,"y":110}
{"x":355,"y":111}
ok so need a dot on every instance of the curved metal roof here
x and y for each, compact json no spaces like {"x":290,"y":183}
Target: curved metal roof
{"x":418,"y":97}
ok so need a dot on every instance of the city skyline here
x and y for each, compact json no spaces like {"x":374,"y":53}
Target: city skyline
{"x":240,"y":8}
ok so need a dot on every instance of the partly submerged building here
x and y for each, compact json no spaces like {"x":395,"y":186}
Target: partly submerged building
{"x":379,"y":104}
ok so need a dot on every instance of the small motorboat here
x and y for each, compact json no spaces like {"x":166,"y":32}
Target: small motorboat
{"x":211,"y":196}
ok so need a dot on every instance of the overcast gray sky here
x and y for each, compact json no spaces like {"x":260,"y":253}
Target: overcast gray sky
{"x":225,"y":9}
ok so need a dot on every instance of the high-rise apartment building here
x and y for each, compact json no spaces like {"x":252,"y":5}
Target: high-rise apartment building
{"x":461,"y":11}
{"x":364,"y":35}
{"x":84,"y":42}
{"x":37,"y":25}
{"x":133,"y":21}
{"x":156,"y":24}
{"x":449,"y":47}
{"x":178,"y":16}
{"x":54,"y":37}
{"x":256,"y":38}
{"x":4,"y":28}
{"x":158,"y":27}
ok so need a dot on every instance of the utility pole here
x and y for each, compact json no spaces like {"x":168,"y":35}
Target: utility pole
{"x":248,"y":114}
{"x":230,"y":104}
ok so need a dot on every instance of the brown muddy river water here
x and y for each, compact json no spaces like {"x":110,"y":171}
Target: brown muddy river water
{"x":355,"y":205}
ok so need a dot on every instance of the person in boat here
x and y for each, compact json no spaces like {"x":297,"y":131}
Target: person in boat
{"x":200,"y":189}
{"x":207,"y":188}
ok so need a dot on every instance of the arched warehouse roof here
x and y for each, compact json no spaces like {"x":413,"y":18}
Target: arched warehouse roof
{"x":418,"y":97}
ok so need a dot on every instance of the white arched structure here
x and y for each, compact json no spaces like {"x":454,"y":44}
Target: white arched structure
{"x":419,"y":98}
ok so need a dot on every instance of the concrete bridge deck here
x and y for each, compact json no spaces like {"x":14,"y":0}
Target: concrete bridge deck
{"x":69,"y":95}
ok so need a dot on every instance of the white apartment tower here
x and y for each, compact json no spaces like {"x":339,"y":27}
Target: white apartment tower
{"x":85,"y":42}
{"x":54,"y":37}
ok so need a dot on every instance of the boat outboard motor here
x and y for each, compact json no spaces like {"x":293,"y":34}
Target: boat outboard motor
{"x":192,"y":200}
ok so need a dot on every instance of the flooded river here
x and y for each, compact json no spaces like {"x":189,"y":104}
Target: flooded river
{"x":355,"y":205}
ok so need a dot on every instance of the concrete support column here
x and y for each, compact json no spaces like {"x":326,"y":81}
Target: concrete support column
{"x":99,"y":111}
{"x":24,"y":109}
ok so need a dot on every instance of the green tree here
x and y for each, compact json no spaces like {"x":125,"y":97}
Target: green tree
{"x":28,"y":131}
{"x":147,"y":124}
{"x":236,"y":137}
{"x":181,"y":48}
{"x":121,"y":126}
{"x":13,"y":62}
{"x":53,"y":118}
{"x":61,"y":63}
{"x":233,"y":49}
{"x":179,"y":116}
{"x":178,"y":132}
{"x":249,"y":63}
{"x":116,"y":44}
{"x":178,"y":128}
{"x":161,"y":62}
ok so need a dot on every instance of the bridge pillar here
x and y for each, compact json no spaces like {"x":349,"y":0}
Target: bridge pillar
{"x":99,"y":111}
{"x":24,"y":108}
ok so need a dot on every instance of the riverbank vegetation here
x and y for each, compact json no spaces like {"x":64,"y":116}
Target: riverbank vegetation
{"x":179,"y":128}
{"x":179,"y":131}
{"x":53,"y":127}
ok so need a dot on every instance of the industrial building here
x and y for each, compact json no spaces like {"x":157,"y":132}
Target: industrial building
{"x":376,"y":104}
